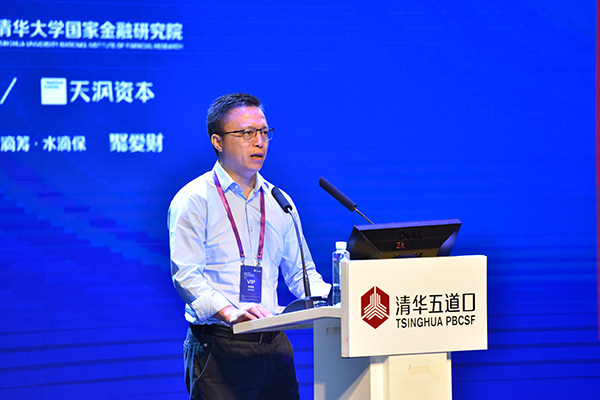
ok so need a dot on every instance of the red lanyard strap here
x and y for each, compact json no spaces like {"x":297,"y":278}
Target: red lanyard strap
{"x":261,"y":241}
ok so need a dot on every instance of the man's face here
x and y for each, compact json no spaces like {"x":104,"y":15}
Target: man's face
{"x":238,"y":157}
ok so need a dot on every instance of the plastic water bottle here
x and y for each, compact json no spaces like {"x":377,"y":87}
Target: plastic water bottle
{"x":339,"y":254}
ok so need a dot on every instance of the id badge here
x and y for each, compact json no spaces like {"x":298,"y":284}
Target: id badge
{"x":250,"y":284}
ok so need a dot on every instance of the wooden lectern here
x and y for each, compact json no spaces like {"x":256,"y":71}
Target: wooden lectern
{"x":393,"y":333}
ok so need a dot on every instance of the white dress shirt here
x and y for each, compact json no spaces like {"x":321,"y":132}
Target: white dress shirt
{"x":205,"y":259}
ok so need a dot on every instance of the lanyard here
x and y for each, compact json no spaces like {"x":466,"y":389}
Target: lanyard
{"x":261,"y":241}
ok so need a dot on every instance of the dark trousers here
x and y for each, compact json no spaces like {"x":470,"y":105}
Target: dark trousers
{"x":218,"y":367}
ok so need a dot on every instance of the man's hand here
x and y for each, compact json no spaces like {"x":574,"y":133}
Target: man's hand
{"x":233,"y":315}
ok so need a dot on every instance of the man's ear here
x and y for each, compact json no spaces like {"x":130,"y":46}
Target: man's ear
{"x":217,"y":142}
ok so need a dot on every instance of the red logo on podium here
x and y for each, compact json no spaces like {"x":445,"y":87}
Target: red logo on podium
{"x":375,"y":307}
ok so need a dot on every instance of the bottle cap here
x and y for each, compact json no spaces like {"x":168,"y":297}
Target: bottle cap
{"x":340,"y":245}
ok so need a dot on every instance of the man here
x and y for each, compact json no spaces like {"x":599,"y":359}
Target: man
{"x":229,"y":238}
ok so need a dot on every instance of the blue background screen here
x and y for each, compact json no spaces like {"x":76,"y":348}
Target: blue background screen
{"x":481,"y":111}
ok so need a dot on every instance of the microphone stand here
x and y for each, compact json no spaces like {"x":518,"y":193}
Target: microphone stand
{"x":363,"y":215}
{"x":346,"y":202}
{"x":308,"y":301}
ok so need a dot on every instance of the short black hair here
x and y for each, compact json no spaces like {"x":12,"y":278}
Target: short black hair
{"x":218,"y":110}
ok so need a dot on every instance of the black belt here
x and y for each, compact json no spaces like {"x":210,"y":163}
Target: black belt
{"x":227,"y":333}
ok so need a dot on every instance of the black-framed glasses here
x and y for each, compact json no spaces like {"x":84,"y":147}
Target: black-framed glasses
{"x":249,"y":134}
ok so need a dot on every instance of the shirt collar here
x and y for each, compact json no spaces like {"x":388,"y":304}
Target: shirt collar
{"x":227,"y":181}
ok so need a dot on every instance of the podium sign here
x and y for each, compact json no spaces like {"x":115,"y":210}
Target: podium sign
{"x":413,"y":305}
{"x":397,"y":324}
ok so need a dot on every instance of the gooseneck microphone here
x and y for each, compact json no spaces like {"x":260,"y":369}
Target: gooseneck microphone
{"x":308,"y":301}
{"x":341,"y":197}
{"x":285,"y":206}
{"x":281,"y":200}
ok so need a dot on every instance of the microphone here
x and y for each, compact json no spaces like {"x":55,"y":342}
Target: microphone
{"x":308,"y":301}
{"x":341,"y":197}
{"x":281,"y":200}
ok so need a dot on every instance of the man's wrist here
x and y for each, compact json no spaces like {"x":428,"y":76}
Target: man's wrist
{"x":225,"y":313}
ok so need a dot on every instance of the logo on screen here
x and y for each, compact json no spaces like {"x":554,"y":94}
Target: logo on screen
{"x":54,"y":91}
{"x":375,"y":307}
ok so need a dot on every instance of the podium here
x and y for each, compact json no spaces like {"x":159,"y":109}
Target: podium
{"x":397,"y":325}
